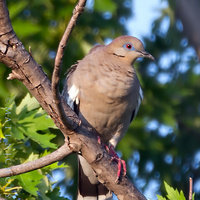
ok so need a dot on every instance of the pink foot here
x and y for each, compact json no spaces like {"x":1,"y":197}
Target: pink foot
{"x":121,"y":163}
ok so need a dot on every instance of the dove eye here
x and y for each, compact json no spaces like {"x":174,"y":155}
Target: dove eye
{"x":129,"y":46}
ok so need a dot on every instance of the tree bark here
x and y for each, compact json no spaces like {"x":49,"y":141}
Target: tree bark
{"x":59,"y":154}
{"x":188,"y":13}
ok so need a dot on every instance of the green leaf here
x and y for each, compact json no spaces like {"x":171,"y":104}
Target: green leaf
{"x":29,"y":119}
{"x":55,"y":194}
{"x":32,"y":157}
{"x":1,"y":132}
{"x":31,"y":124}
{"x":173,"y":194}
{"x":56,"y":166}
{"x":42,"y":139}
{"x":53,"y":165}
{"x":161,"y":198}
{"x":44,"y":186}
{"x":193,"y":196}
{"x":28,"y":103}
{"x":17,"y":133}
{"x":29,"y":181}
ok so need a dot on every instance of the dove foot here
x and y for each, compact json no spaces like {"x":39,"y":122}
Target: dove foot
{"x":114,"y":157}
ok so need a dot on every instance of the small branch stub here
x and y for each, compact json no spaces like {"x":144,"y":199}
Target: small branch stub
{"x":190,"y":188}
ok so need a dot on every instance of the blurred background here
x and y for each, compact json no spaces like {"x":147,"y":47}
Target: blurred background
{"x":163,"y":142}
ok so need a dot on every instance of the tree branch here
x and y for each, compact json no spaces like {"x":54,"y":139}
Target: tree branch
{"x":55,"y":156}
{"x":190,"y":188}
{"x":25,"y":69}
{"x":188,"y":13}
{"x":79,"y":8}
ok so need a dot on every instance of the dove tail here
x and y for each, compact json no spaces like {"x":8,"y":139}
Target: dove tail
{"x":89,"y":187}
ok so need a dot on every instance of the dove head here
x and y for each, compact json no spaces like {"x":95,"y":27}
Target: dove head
{"x":128,"y":48}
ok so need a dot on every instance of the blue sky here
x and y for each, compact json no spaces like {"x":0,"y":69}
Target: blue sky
{"x":144,"y":13}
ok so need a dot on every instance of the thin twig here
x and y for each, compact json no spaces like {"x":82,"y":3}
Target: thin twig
{"x":58,"y":62}
{"x":37,"y":164}
{"x":190,"y":188}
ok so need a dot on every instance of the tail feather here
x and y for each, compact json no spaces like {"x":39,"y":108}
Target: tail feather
{"x":89,"y":187}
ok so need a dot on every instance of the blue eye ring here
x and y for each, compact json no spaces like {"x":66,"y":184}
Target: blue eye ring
{"x":128,"y":46}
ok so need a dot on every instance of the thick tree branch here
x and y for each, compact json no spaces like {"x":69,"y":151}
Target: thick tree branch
{"x":58,"y":62}
{"x":25,"y":69}
{"x":55,"y":156}
{"x":188,"y":13}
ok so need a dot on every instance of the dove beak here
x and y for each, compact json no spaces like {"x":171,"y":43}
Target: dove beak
{"x":146,"y":55}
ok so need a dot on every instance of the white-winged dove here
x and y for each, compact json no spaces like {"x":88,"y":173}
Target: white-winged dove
{"x":104,"y":90}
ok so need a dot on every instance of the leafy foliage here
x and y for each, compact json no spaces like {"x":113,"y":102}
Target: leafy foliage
{"x":28,"y":119}
{"x":173,"y":194}
{"x":26,"y":137}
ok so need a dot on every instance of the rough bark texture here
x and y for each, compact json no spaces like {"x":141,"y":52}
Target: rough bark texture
{"x":25,"y":69}
{"x":188,"y":13}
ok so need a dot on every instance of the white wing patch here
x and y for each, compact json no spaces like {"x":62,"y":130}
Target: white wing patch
{"x":73,"y":96}
{"x":140,"y":98}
